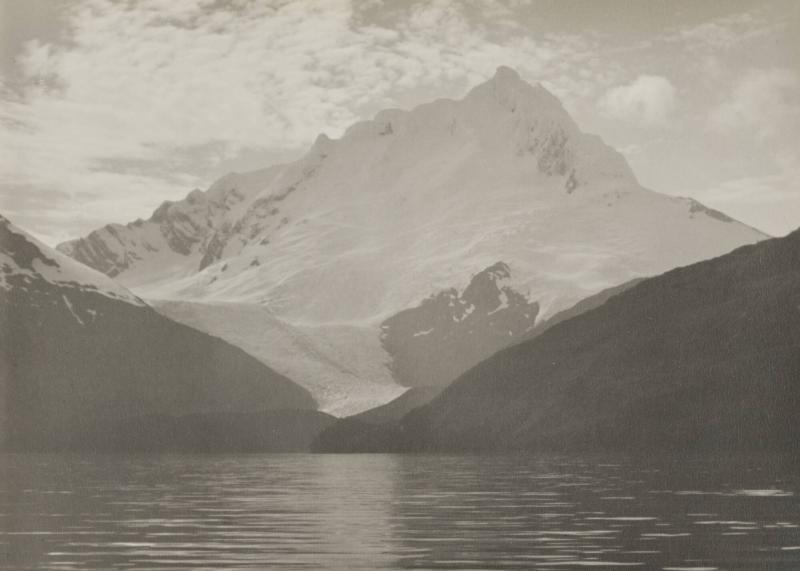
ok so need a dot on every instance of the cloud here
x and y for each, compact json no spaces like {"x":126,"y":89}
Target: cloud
{"x":762,"y":110}
{"x":723,"y":32}
{"x":767,"y":201}
{"x":749,"y":190}
{"x":765,"y":102}
{"x":147,"y":81}
{"x":648,"y":100}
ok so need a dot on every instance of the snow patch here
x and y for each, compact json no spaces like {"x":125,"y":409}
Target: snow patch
{"x":768,"y":493}
{"x":503,"y":303}
{"x":425,"y":332}
{"x":72,"y":310}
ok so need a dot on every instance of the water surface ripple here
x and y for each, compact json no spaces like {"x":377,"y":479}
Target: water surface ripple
{"x":395,"y":512}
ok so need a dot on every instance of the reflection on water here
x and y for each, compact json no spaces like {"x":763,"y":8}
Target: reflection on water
{"x":394,"y":512}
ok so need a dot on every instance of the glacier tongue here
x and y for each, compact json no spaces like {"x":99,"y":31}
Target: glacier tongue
{"x":341,"y":365}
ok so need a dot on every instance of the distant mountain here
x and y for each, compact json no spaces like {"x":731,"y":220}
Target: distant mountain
{"x":448,"y":230}
{"x":705,"y":357}
{"x":78,"y":350}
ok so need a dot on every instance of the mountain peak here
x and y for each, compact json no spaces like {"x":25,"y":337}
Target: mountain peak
{"x":506,"y":74}
{"x":508,"y":78}
{"x":512,"y":92}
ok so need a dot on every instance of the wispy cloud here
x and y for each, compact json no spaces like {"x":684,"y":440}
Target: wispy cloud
{"x":723,"y":32}
{"x":768,"y":202}
{"x":648,"y":100}
{"x":763,"y":101}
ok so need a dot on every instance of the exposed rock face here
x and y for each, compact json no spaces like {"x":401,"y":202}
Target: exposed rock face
{"x":78,"y":350}
{"x":195,"y":228}
{"x":213,"y":251}
{"x":445,"y":335}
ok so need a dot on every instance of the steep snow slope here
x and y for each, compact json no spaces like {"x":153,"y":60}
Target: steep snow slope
{"x":23,"y":258}
{"x":82,"y":358}
{"x":412,"y":204}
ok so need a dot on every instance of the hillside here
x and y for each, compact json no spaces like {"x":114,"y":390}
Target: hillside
{"x":704,"y":357}
{"x":77,"y":349}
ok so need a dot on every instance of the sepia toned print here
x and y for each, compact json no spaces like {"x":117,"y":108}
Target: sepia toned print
{"x":383,"y":284}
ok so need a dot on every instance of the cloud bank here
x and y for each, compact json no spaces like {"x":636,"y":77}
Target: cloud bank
{"x":648,"y":100}
{"x":764,"y":101}
{"x":138,"y":102}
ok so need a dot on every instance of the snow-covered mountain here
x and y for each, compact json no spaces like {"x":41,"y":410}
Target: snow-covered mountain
{"x":375,"y":238}
{"x":80,"y":356}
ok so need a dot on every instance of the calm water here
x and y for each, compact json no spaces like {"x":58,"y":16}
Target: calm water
{"x":390,"y":512}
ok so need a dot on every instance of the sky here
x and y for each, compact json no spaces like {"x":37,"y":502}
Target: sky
{"x":108,"y":108}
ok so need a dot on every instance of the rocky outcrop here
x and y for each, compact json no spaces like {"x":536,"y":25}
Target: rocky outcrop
{"x":448,"y":333}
